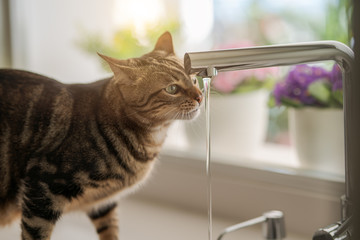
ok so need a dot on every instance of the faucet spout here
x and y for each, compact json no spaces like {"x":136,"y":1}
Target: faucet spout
{"x":267,"y":56}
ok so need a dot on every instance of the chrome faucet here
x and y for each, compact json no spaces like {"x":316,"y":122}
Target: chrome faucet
{"x":207,"y":64}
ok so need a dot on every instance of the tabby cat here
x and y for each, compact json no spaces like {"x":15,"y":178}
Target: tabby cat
{"x":70,"y":147}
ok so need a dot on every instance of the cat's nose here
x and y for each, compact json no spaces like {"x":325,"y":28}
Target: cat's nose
{"x":196,"y":94}
{"x":199,"y":98}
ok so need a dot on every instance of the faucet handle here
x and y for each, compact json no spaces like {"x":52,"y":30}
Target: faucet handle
{"x":273,"y":225}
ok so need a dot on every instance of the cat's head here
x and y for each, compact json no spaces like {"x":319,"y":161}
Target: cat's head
{"x":155,"y":85}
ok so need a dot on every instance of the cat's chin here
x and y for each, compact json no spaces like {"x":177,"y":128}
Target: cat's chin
{"x":190,"y":115}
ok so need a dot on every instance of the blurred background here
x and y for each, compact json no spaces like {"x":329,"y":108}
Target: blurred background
{"x":270,"y":108}
{"x":60,"y":38}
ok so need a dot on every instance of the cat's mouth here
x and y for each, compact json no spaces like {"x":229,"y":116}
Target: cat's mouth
{"x":190,"y":114}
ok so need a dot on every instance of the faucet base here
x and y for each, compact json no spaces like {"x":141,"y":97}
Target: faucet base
{"x":337,"y":231}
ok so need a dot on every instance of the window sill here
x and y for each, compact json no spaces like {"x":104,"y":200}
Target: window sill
{"x":270,"y":158}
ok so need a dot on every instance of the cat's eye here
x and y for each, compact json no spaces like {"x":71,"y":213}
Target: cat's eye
{"x":194,"y":80}
{"x":172,"y":89}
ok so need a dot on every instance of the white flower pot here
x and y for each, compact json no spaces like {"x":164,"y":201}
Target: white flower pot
{"x":238,"y":124}
{"x":318,"y":136}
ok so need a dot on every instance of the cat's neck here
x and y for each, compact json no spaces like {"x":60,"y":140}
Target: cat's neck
{"x":159,"y":133}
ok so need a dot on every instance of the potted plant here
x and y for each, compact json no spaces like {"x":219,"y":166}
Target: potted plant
{"x":239,"y":113}
{"x":314,"y":97}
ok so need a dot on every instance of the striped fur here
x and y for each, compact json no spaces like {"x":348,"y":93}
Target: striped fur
{"x":68,"y":147}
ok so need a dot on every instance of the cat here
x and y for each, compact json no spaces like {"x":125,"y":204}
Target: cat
{"x":70,"y":147}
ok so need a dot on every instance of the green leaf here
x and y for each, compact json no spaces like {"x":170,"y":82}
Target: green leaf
{"x":269,"y":83}
{"x":246,"y":88}
{"x":321,"y":91}
{"x":124,"y":43}
{"x":337,"y":96}
{"x":271,"y":102}
{"x":291,"y":102}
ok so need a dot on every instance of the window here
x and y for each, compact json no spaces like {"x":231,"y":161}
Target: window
{"x":5,"y":34}
{"x":60,"y":39}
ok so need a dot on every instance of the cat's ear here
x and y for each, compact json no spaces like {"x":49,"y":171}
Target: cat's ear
{"x":115,"y":64}
{"x":120,"y":68}
{"x":165,"y":43}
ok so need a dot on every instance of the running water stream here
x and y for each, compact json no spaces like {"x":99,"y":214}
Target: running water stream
{"x":206,"y":82}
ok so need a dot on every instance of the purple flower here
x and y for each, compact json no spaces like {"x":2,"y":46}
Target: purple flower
{"x":296,"y":83}
{"x":294,"y":90}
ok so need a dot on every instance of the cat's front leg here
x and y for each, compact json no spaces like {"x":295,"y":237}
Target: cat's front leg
{"x":105,"y":221}
{"x":36,"y":229}
{"x":40,"y":211}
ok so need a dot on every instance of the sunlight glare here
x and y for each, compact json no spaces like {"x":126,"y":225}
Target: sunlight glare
{"x":140,"y":14}
{"x":198,"y":19}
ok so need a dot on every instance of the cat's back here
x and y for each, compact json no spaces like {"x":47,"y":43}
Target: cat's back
{"x":18,"y":88}
{"x":33,"y":108}
{"x":13,"y":78}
